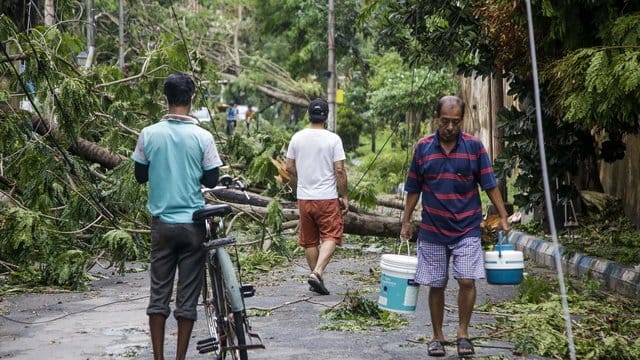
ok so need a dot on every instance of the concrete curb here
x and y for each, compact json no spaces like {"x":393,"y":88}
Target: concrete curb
{"x":624,"y":280}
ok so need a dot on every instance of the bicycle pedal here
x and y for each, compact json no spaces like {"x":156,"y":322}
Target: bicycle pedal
{"x":207,"y":341}
{"x":207,"y":349}
{"x":247,"y":290}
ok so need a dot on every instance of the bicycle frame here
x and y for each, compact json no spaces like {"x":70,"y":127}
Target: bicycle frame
{"x":224,"y":305}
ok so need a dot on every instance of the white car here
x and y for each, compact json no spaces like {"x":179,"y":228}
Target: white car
{"x":202,"y":114}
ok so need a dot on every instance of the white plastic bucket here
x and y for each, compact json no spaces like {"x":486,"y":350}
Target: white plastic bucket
{"x":504,"y":267}
{"x":398,"y":290}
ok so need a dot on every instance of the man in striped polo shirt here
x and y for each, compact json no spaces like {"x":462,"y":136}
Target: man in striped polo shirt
{"x":446,"y":169}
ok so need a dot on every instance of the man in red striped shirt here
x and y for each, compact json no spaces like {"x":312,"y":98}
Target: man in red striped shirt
{"x":446,"y":169}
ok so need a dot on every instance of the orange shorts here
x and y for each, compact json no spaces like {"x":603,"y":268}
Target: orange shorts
{"x":320,"y":220}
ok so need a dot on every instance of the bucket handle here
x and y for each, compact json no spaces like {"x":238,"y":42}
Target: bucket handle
{"x":404,"y":241}
{"x":500,"y":237}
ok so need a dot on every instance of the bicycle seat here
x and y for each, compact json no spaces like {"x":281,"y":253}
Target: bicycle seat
{"x":211,"y":210}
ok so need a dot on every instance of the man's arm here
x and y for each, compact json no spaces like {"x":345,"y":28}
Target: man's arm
{"x":210,"y":177}
{"x":293,"y":173}
{"x":291,"y":168}
{"x":141,"y":172}
{"x":409,"y":205}
{"x":341,"y":180}
{"x":496,"y":198}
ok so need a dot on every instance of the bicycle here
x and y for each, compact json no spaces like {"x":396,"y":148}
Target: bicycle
{"x":222,"y":294}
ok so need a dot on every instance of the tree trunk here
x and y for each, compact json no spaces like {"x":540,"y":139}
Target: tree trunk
{"x":496,"y":93}
{"x":236,"y":30}
{"x":84,"y":148}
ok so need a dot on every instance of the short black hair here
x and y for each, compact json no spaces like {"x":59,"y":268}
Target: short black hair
{"x":179,"y":89}
{"x":450,"y":100}
{"x":318,"y":111}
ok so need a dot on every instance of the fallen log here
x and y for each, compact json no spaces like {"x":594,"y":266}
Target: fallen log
{"x":354,"y":223}
{"x":392,"y":201}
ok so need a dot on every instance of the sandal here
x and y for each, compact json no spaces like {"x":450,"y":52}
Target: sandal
{"x":465,"y":347}
{"x":436,"y":349}
{"x":315,"y":280}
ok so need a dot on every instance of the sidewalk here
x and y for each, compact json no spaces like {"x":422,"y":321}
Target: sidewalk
{"x":624,"y":280}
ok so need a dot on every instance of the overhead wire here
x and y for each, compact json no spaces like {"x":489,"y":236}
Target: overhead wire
{"x":193,"y":73}
{"x":73,"y":312}
{"x":547,"y":189}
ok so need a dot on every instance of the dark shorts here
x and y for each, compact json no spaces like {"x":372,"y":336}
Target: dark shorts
{"x":176,"y":246}
{"x":320,"y":220}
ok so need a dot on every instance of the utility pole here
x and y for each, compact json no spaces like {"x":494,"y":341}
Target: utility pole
{"x":49,"y":13}
{"x":331,"y":83}
{"x":121,"y":34}
{"x":91,"y":31}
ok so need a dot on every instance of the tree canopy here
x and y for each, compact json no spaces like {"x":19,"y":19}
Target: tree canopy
{"x":588,"y":56}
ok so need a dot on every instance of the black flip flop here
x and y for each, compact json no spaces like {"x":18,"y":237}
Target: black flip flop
{"x":315,"y":280}
{"x":465,"y":347}
{"x":436,"y":349}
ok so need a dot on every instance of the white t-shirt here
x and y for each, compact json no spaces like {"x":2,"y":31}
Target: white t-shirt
{"x":315,"y":151}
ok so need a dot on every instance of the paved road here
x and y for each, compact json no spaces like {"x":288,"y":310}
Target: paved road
{"x":108,"y":322}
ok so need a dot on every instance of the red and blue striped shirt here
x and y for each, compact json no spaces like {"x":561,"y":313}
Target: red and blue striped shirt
{"x":451,"y":206}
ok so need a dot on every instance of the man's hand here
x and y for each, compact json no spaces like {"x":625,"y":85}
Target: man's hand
{"x":405,"y":231}
{"x":344,"y":205}
{"x":504,"y":224}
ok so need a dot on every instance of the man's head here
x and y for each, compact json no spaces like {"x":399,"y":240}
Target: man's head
{"x":179,"y":89}
{"x":318,"y":111}
{"x":449,"y":115}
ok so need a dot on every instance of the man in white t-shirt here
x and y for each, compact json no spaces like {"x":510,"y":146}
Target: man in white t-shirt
{"x":315,"y":158}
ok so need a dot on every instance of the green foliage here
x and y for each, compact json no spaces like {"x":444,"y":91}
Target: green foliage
{"x":19,"y":227}
{"x":587,"y":51}
{"x":608,"y":234}
{"x":396,"y":89}
{"x":364,"y":195}
{"x":261,"y":262}
{"x":349,"y":126}
{"x":356,"y":313}
{"x":42,"y":257}
{"x":597,"y":86}
{"x":532,"y":227}
{"x":385,"y":169}
{"x":566,"y":147}
{"x":67,"y":269}
{"x":293,"y":33}
{"x":429,"y":32}
{"x":602,"y":329}
{"x":121,"y":247}
{"x":534,"y":291}
{"x":275,"y":216}
{"x":260,"y":152}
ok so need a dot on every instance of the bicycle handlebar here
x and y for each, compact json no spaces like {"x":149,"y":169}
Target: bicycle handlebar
{"x":227,"y":182}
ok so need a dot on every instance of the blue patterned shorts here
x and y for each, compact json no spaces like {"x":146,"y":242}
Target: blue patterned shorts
{"x":433,"y":262}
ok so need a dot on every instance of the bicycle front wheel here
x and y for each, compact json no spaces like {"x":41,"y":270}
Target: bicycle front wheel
{"x":230,"y":308}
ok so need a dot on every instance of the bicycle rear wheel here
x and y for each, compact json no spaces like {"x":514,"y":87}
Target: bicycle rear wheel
{"x":208,"y":295}
{"x":229,"y":308}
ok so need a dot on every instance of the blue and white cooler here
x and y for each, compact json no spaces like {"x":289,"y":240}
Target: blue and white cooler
{"x":503,"y":265}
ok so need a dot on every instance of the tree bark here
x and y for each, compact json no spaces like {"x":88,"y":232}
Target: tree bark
{"x":391,"y":201}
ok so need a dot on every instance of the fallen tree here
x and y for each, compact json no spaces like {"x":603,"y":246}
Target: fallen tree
{"x":356,"y":223}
